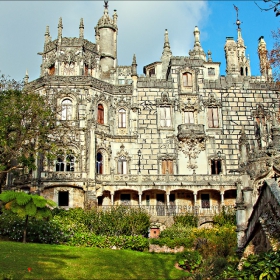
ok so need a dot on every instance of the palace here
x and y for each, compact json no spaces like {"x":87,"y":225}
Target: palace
{"x":172,"y":140}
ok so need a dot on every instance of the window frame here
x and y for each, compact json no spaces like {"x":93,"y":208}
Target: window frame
{"x":213,"y":119}
{"x":66,"y":109}
{"x":122,"y":118}
{"x":100,"y":113}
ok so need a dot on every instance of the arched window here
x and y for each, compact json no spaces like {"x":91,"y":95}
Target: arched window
{"x":122,"y":118}
{"x":187,"y":79}
{"x":66,"y":163}
{"x":66,"y":109}
{"x":99,"y":163}
{"x":70,"y":161}
{"x":100,"y":114}
{"x":122,"y":165}
{"x":59,"y":164}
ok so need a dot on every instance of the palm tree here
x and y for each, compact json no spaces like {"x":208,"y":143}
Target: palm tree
{"x":27,"y":205}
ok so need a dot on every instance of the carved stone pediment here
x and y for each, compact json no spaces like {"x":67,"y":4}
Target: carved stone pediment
{"x":164,"y":100}
{"x":212,"y":101}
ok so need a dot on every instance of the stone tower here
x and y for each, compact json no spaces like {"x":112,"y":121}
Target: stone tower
{"x":265,"y":67}
{"x":106,"y":32}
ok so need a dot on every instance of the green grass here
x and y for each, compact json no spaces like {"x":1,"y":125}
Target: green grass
{"x":65,"y":262}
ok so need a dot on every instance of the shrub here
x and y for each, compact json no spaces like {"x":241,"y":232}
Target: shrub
{"x":263,"y":266}
{"x":225,"y":217}
{"x":189,"y":260}
{"x":172,"y":242}
{"x":187,"y":219}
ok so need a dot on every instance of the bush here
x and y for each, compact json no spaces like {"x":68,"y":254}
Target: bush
{"x":187,"y":219}
{"x":189,"y":260}
{"x":172,"y":242}
{"x":263,"y":266}
{"x":226,"y":217}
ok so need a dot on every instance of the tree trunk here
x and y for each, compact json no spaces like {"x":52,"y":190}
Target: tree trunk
{"x":25,"y":229}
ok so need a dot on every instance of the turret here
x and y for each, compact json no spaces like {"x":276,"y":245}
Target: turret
{"x":243,"y":61}
{"x":265,"y":67}
{"x":197,"y":52}
{"x":106,"y":39}
{"x":232,"y":67}
{"x":26,"y":77}
{"x":166,"y":54}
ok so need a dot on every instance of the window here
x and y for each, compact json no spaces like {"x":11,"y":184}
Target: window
{"x":66,"y":109}
{"x":213,"y":117}
{"x":67,"y":165}
{"x":152,"y":71}
{"x":211,"y":71}
{"x":122,"y":118}
{"x":122,"y":165}
{"x":216,"y":166}
{"x":86,"y":70}
{"x":187,"y":79}
{"x":100,"y":114}
{"x":59,"y":164}
{"x":63,"y":198}
{"x":70,"y":161}
{"x":52,"y":70}
{"x":167,"y":166}
{"x":205,"y":200}
{"x":99,"y":163}
{"x":165,"y":116}
{"x":189,"y":117}
{"x":121,"y":81}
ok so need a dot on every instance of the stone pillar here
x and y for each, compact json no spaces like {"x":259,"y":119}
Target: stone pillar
{"x":140,"y":198}
{"x":112,"y":197}
{"x":167,"y":199}
{"x":222,"y":198}
{"x":195,"y":198}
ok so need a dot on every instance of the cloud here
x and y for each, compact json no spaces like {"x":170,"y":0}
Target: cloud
{"x":141,"y":29}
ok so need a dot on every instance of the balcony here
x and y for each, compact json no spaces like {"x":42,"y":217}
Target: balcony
{"x":174,"y":210}
{"x":190,"y":131}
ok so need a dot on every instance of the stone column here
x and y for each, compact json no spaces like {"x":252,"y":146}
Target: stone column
{"x":222,"y":198}
{"x":195,"y":198}
{"x":167,"y":199}
{"x":140,"y":198}
{"x":112,"y":197}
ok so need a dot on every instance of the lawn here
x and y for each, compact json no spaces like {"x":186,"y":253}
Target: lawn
{"x":65,"y":262}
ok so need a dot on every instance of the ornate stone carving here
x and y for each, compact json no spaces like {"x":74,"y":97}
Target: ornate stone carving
{"x":212,"y":101}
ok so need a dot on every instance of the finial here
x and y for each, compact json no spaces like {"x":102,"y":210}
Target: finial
{"x":134,"y":66}
{"x":81,"y":27}
{"x":209,"y":56}
{"x":238,"y":22}
{"x":166,"y":46}
{"x":26,"y":77}
{"x":134,"y":59}
{"x":106,"y":4}
{"x":196,"y":36}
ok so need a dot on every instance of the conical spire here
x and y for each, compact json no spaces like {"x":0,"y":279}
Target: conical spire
{"x":166,"y":46}
{"x":81,"y":28}
{"x":60,"y":27}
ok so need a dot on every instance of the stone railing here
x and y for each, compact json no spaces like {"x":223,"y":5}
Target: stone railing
{"x":190,"y":130}
{"x":62,"y":176}
{"x":182,"y":180}
{"x":173,"y":210}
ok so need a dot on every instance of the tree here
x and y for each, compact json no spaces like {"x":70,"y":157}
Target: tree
{"x":273,"y":5}
{"x":27,"y":205}
{"x":274,"y":54}
{"x":27,"y":123}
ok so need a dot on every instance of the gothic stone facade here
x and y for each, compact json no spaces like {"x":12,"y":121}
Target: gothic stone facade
{"x":169,"y":138}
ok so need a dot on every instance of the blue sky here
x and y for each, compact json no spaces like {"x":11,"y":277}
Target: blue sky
{"x":141,"y":29}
